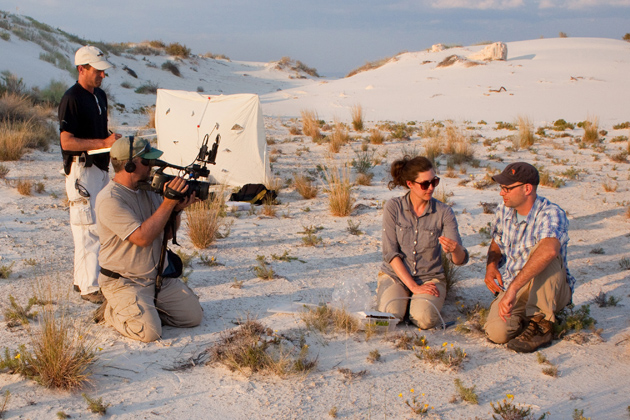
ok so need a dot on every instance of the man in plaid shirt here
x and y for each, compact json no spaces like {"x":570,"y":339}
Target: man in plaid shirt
{"x":529,"y":241}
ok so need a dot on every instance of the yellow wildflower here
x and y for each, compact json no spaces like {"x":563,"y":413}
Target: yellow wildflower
{"x":411,"y":390}
{"x":17,"y":356}
{"x":510,"y":396}
{"x":444,"y":344}
{"x":400,"y":395}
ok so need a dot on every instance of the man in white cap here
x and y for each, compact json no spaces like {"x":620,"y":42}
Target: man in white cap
{"x":83,"y":127}
{"x":131,"y":226}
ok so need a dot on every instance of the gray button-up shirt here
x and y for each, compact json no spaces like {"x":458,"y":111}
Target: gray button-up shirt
{"x":415,"y":238}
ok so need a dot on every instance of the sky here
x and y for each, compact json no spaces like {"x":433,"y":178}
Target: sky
{"x":333,"y":36}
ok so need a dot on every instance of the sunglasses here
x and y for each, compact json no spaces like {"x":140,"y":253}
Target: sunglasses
{"x":425,"y":184}
{"x":145,"y":149}
{"x":83,"y":192}
{"x":508,"y":189}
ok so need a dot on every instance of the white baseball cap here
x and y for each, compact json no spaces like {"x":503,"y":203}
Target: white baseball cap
{"x":92,"y":56}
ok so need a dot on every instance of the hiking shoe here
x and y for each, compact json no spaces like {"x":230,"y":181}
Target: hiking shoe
{"x":94,"y":297}
{"x":538,"y":333}
{"x":99,"y":314}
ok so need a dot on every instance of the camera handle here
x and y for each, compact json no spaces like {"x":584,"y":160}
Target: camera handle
{"x":171,"y":224}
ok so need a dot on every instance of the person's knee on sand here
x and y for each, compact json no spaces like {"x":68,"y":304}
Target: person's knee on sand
{"x":423,"y":315}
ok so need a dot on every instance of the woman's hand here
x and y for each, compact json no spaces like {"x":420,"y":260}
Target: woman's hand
{"x":425,"y":289}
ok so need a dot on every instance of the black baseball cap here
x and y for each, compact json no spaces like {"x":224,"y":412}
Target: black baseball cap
{"x":518,"y":172}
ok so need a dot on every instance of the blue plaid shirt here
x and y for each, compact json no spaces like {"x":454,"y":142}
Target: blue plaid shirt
{"x":516,"y":240}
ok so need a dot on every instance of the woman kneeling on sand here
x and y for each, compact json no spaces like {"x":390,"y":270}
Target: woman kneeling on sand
{"x":416,"y":229}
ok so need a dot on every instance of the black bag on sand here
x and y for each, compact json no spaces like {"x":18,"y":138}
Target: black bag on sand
{"x":254,"y":194}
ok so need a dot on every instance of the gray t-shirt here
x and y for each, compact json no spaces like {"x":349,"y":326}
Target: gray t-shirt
{"x":415,"y":239}
{"x":119,"y":212}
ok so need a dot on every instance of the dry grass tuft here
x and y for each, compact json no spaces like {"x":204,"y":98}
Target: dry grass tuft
{"x":304,"y":186}
{"x":61,"y":355}
{"x":433,"y":149}
{"x":591,"y":130}
{"x":204,"y":220}
{"x":325,"y":319}
{"x":364,"y":179}
{"x":525,"y":132}
{"x":451,"y":274}
{"x":310,"y":125}
{"x":339,"y":188}
{"x":252,"y":348}
{"x":357,"y":117}
{"x":338,"y":138}
{"x":476,"y":317}
{"x":376,"y":136}
{"x":457,"y":146}
{"x":24,"y":187}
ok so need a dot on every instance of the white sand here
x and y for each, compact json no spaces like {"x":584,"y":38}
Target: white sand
{"x":537,"y":76}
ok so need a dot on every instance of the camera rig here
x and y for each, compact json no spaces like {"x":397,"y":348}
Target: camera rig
{"x":192,"y":173}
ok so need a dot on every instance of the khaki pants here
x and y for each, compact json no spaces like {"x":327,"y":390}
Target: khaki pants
{"x":547,"y":293}
{"x":423,"y":310}
{"x":131,"y":311}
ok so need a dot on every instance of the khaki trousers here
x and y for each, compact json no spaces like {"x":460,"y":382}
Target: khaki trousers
{"x":131,"y":311}
{"x":423,"y":310}
{"x":547,"y":293}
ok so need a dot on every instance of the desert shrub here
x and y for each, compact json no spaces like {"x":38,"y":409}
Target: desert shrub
{"x":24,"y":187}
{"x":95,"y":405}
{"x":451,"y":274}
{"x":172,"y":67}
{"x":52,"y":93}
{"x":507,"y":410}
{"x":287,"y":63}
{"x":525,"y":132}
{"x":338,"y":138}
{"x":457,"y":146}
{"x":325,"y":319}
{"x":371,"y":65}
{"x":364,"y":161}
{"x":148,"y":88}
{"x":204,"y":220}
{"x":621,"y":157}
{"x":476,"y":316}
{"x":466,"y":394}
{"x":252,"y":348}
{"x":310,"y":124}
{"x":433,"y":149}
{"x":376,"y":136}
{"x":339,"y":190}
{"x":591,"y":130}
{"x":61,"y":355}
{"x":150,"y":114}
{"x":5,"y":36}
{"x":357,"y":117}
{"x":400,"y":131}
{"x":505,"y":126}
{"x":304,"y":186}
{"x":178,"y":50}
{"x":621,"y":126}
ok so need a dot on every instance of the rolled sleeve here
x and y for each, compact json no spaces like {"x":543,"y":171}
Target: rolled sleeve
{"x":451,"y":231}
{"x":391,"y":248}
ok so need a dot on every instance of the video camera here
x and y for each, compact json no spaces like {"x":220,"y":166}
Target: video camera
{"x":198,"y":169}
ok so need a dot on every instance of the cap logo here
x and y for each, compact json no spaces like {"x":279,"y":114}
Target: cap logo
{"x":513,"y":172}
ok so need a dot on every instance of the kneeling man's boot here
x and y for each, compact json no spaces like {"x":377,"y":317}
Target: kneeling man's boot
{"x":538,"y":333}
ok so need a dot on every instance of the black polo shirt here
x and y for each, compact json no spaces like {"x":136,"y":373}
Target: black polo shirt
{"x":85,"y":116}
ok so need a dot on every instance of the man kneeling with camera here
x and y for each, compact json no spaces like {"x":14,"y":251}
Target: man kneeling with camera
{"x":131,"y":224}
